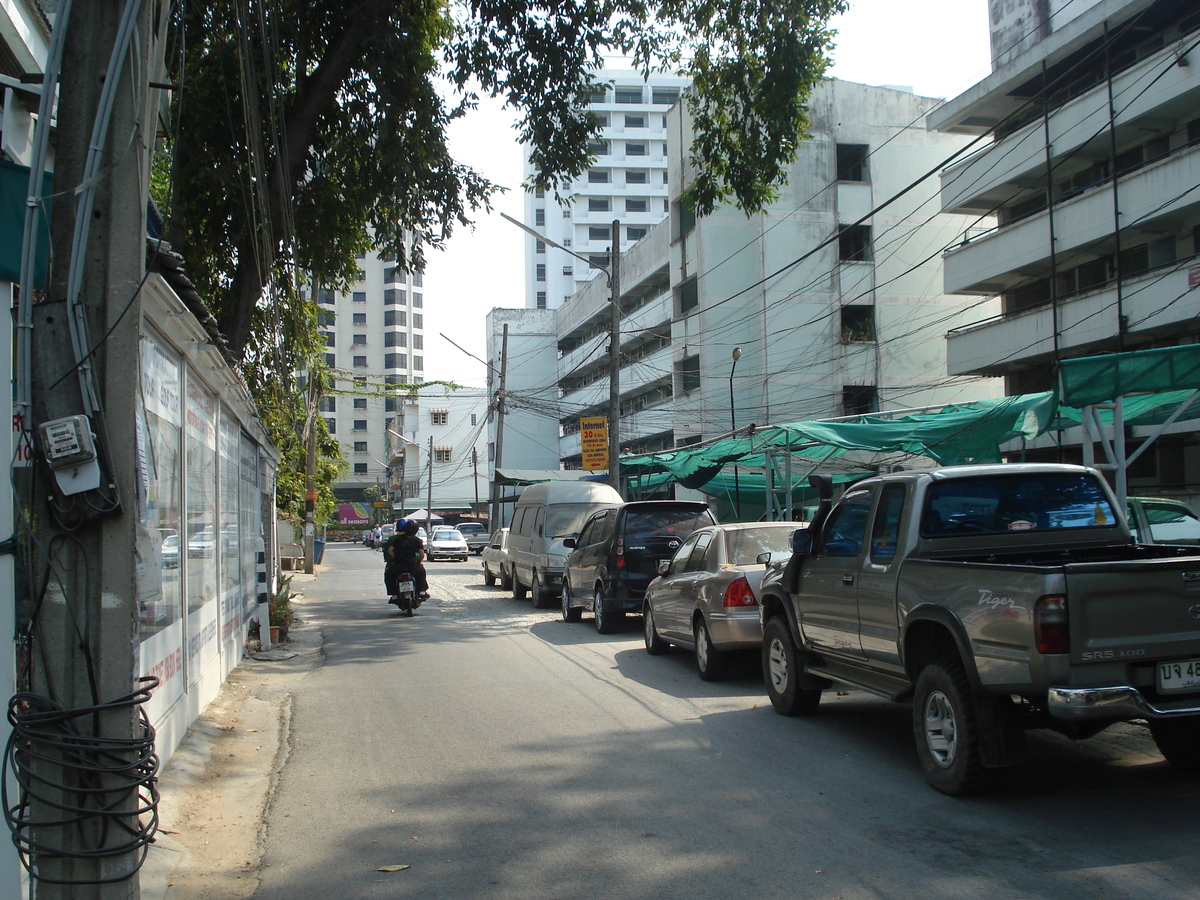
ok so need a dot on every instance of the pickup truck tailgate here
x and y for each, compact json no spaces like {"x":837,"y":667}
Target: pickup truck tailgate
{"x":1164,"y":623}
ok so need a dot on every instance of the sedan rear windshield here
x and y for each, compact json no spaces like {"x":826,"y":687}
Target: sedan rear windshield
{"x":744,"y":545}
{"x":1004,"y":503}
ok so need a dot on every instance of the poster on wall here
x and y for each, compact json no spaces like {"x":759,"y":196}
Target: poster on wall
{"x":351,"y":514}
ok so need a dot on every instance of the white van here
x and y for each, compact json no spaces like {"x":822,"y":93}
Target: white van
{"x":545,"y":515}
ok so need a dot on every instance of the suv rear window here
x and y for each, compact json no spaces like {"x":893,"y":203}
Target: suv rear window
{"x":680,"y":521}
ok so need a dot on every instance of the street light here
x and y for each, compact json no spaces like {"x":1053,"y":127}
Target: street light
{"x":614,"y":339}
{"x":737,"y":488}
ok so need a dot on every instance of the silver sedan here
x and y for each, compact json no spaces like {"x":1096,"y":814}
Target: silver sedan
{"x":706,"y":596}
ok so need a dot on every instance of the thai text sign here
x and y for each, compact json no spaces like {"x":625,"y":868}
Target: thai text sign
{"x":593,"y":442}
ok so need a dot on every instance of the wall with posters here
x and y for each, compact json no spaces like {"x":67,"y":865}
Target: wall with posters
{"x":206,"y":472}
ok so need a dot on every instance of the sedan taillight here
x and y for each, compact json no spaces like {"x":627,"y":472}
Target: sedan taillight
{"x":739,"y":594}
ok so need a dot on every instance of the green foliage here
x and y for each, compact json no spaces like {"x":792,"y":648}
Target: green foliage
{"x":279,"y":610}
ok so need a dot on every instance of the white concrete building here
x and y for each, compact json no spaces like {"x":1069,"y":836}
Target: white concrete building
{"x":1091,"y":173}
{"x":833,"y":297}
{"x":627,"y":183}
{"x":374,"y":338}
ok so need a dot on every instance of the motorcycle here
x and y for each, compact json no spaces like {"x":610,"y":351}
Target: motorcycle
{"x":407,"y":598}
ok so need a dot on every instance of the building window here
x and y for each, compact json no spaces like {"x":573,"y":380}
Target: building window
{"x":360,"y":446}
{"x":629,"y":95}
{"x":637,"y":204}
{"x":474,"y":419}
{"x":329,"y":339}
{"x":540,"y":272}
{"x":360,"y":340}
{"x":395,"y":360}
{"x":689,"y":295}
{"x":417,"y":301}
{"x":635,"y":121}
{"x":360,"y":424}
{"x":598,"y":148}
{"x":360,"y":468}
{"x":568,"y":270}
{"x":599,"y":204}
{"x":854,"y":243}
{"x":541,"y":299}
{"x":328,"y":404}
{"x":635,"y":149}
{"x":566,"y":213}
{"x":689,"y":374}
{"x":360,"y":319}
{"x":852,"y":162}
{"x":859,"y":400}
{"x":418,"y":342}
{"x":360,"y":402}
{"x":331,"y":360}
{"x":858,"y":323}
{"x":635,"y":178}
{"x":598,"y":176}
{"x":439,"y":417}
{"x":442,"y":454}
{"x":324,"y":318}
{"x":597,"y":262}
{"x":359,"y":296}
{"x":391,"y":404}
{"x":360,"y":381}
{"x":393,"y":297}
{"x":664,"y":96}
{"x":418,"y":364}
{"x":393,"y":274}
{"x":418,"y":320}
{"x":418,"y":279}
{"x":539,"y":246}
{"x":395,"y":339}
{"x":597,"y":95}
{"x":394,"y":317}
{"x":325,"y":296}
{"x":599,"y":234}
{"x":635,"y":234}
{"x":539,"y":217}
{"x":360,"y":362}
{"x":331,"y":425}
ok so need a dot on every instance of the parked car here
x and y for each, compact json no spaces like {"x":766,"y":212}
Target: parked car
{"x":706,"y":597}
{"x":476,"y":535}
{"x":616,"y":556}
{"x":495,"y":561}
{"x":1156,"y":520}
{"x":545,"y":515}
{"x":446,"y":543}
{"x":201,"y":543}
{"x":170,"y":551}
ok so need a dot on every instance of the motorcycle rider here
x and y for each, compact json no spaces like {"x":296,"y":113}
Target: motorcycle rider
{"x":403,"y":553}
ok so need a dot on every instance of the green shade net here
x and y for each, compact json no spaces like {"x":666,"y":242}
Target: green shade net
{"x":955,"y":434}
{"x":1098,"y":379}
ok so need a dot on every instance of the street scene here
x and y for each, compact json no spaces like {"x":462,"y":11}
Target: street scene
{"x":499,"y":752}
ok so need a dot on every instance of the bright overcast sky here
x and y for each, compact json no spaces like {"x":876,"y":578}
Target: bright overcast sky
{"x":936,"y":47}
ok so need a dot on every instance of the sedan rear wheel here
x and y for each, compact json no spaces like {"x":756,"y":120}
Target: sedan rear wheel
{"x":713,"y":664}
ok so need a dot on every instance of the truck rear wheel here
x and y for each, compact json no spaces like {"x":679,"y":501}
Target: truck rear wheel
{"x":946,"y":728}
{"x":1178,"y":741}
{"x":781,"y":672}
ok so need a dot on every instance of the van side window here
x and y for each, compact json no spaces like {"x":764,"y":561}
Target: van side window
{"x":539,"y":518}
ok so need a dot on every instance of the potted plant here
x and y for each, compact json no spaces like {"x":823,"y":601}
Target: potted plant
{"x":280,"y":612}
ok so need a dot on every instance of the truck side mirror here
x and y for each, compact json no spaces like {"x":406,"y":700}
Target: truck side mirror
{"x":801,"y":542}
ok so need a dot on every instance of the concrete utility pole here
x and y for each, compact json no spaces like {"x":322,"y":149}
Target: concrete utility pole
{"x":614,"y":361}
{"x":494,"y":520}
{"x":89,"y":617}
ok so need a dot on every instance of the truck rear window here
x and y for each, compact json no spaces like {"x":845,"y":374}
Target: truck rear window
{"x":1005,"y":503}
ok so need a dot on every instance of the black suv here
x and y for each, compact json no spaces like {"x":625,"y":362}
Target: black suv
{"x":615,"y":556}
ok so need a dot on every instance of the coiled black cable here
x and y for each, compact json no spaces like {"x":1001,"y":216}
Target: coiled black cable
{"x":79,"y":790}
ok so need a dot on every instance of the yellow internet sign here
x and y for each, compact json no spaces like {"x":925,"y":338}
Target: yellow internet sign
{"x":593,"y":440}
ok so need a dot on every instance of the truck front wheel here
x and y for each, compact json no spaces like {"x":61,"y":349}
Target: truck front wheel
{"x":946,"y":728}
{"x":781,"y":672}
{"x":1178,"y":741}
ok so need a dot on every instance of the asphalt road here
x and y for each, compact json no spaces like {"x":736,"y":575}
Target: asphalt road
{"x":499,"y":752}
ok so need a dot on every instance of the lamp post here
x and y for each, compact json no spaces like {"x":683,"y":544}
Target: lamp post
{"x":737,"y":488}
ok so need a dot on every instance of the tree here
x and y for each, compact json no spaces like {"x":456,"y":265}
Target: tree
{"x":309,"y":130}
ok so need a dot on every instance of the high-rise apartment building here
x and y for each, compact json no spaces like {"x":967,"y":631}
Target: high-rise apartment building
{"x":627,"y":183}
{"x":374,"y":340}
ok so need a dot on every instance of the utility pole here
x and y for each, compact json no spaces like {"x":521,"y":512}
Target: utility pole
{"x":84,"y":356}
{"x":494,"y":516}
{"x":614,"y":360}
{"x":475,"y":467}
{"x":429,"y":498}
{"x":310,"y":469}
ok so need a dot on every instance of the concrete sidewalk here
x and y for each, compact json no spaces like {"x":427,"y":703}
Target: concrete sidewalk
{"x":215,"y":788}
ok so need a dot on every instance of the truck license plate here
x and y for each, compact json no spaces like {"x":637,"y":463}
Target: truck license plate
{"x":1181,"y":675}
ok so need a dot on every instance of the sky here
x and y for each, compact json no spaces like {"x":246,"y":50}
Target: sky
{"x":938,"y":48}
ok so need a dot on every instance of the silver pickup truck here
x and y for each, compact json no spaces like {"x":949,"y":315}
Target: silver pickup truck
{"x":996,"y":599}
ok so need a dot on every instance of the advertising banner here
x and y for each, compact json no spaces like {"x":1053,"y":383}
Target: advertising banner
{"x":593,"y":442}
{"x":350,"y":514}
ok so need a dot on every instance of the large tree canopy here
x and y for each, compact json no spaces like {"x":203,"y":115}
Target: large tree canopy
{"x":309,"y":130}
